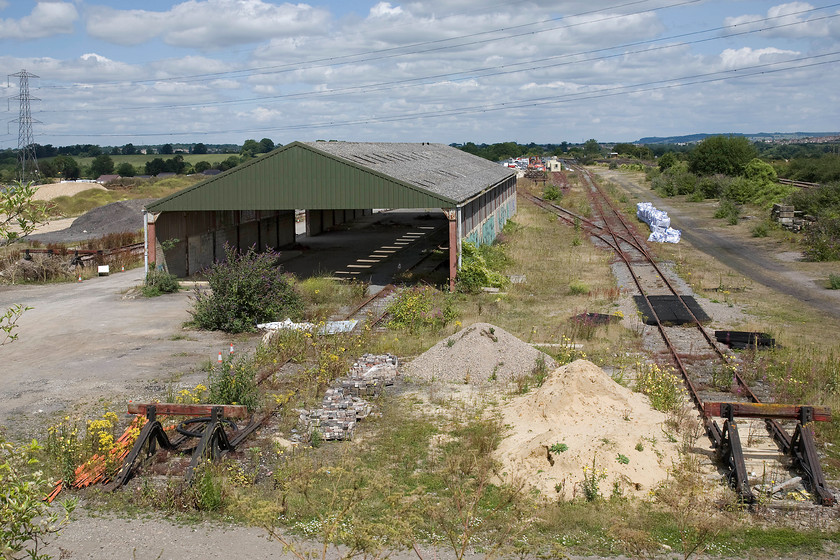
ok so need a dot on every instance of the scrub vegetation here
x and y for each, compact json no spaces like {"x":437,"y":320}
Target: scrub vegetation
{"x":421,"y":473}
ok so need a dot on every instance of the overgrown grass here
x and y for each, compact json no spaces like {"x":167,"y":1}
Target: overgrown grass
{"x":325,"y":296}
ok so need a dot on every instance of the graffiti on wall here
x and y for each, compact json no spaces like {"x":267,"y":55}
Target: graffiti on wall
{"x":485,"y":233}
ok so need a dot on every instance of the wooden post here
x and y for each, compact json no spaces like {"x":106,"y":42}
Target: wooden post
{"x":151,"y":239}
{"x":451,"y":215}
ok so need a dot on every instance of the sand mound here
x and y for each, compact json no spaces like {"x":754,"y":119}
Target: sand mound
{"x":54,"y":190}
{"x":478,"y":354}
{"x":580,"y":406}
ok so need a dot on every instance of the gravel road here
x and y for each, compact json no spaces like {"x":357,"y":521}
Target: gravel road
{"x":92,"y":343}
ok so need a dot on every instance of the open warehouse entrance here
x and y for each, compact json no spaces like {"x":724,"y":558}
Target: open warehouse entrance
{"x":334,"y":183}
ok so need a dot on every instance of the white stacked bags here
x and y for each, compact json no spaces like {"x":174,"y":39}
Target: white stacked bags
{"x":659,"y":222}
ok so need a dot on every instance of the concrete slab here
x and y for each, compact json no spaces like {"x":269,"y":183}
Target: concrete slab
{"x":372,"y":249}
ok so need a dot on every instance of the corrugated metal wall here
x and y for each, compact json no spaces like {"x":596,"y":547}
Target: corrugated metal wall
{"x":486,"y":215}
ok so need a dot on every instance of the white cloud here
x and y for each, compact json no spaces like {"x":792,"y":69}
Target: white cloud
{"x":384,"y":10}
{"x":789,"y":21}
{"x":45,"y":20}
{"x":738,"y":58}
{"x":206,"y":24}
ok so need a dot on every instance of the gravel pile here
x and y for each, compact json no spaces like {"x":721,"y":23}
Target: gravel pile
{"x":478,"y":354}
{"x":117,"y":217}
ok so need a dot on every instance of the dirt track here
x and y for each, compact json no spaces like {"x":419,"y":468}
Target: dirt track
{"x":743,"y":255}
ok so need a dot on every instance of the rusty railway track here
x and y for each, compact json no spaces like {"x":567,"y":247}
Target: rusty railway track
{"x":800,"y":446}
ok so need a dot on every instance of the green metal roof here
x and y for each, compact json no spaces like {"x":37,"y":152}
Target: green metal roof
{"x":304,"y":176}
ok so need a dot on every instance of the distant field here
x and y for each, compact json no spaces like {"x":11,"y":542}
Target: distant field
{"x":140,"y":160}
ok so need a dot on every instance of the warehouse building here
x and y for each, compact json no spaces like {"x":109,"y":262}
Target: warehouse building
{"x":334,"y":182}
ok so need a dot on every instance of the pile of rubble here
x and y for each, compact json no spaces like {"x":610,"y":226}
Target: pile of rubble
{"x":343,"y":406}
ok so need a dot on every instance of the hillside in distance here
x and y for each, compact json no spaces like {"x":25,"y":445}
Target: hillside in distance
{"x":758,"y":137}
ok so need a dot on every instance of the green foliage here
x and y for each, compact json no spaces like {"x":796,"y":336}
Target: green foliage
{"x":421,"y":308}
{"x":728,"y":155}
{"x":761,"y":230}
{"x":623,"y":459}
{"x":757,"y":189}
{"x":728,"y":210}
{"x":234,"y":381}
{"x":823,"y":169}
{"x":125,"y":169}
{"x":558,"y":448}
{"x":26,"y":520}
{"x":246,"y":289}
{"x":662,"y":387}
{"x":667,"y":161}
{"x":479,"y":268}
{"x":822,"y":202}
{"x":834,"y":281}
{"x":578,"y":288}
{"x":592,"y":478}
{"x":101,"y":165}
{"x":822,"y":240}
{"x":207,"y":488}
{"x":159,"y":282}
{"x":8,"y":323}
{"x":675,"y":180}
{"x":758,"y":170}
{"x":552,"y":192}
{"x":19,"y":214}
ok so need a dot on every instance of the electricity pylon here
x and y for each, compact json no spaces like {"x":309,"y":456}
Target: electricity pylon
{"x":28,"y":170}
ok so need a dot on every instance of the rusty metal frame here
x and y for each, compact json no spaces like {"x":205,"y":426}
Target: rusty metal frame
{"x":214,"y":441}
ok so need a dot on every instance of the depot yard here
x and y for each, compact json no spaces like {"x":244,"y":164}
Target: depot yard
{"x":505,"y":456}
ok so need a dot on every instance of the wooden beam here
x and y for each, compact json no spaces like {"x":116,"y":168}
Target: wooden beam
{"x":178,"y":409}
{"x":767,"y":410}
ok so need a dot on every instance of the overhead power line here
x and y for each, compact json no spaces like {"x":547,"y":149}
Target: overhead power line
{"x":481,"y":72}
{"x":403,"y":50}
{"x":643,"y":87}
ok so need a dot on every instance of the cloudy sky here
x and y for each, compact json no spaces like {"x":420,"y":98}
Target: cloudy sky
{"x":110,"y":72}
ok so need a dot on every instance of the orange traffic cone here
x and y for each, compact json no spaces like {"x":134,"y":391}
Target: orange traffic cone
{"x":231,"y":349}
{"x":220,"y":357}
{"x":80,"y":277}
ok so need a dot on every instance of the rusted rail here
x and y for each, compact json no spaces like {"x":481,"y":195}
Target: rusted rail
{"x":726,"y":440}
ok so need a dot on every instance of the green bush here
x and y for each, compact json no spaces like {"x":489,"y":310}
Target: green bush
{"x":675,"y":180}
{"x":479,"y":268}
{"x":159,"y":282}
{"x":247,"y":289}
{"x":761,"y":230}
{"x":728,"y":210}
{"x":822,"y":240}
{"x":834,"y":281}
{"x":823,"y":202}
{"x":552,"y":192}
{"x":420,"y":308}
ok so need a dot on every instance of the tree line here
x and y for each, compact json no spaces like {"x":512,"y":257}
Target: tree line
{"x":61,"y":163}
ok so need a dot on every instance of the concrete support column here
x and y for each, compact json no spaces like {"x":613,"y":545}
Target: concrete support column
{"x":452,"y":216}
